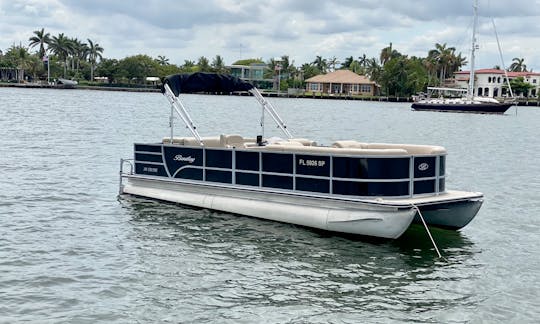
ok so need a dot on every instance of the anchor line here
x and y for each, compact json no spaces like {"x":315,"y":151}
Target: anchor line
{"x":427,"y":230}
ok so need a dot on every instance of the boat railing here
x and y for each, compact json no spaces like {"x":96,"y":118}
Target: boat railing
{"x":123,"y":173}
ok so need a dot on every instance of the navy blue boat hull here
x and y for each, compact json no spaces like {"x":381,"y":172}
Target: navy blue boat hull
{"x":483,"y":108}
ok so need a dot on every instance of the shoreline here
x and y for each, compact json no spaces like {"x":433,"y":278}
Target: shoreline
{"x":80,"y":87}
{"x":529,"y":103}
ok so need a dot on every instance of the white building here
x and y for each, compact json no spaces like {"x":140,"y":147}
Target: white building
{"x":490,"y":82}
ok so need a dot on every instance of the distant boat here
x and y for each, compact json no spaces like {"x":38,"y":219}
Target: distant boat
{"x":66,"y":84}
{"x":468,"y":102}
{"x":483,"y":105}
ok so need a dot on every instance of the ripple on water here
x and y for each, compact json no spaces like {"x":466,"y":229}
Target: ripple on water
{"x":71,"y":252}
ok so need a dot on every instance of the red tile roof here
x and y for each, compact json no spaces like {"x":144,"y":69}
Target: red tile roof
{"x":523,"y":74}
{"x":497,"y":71}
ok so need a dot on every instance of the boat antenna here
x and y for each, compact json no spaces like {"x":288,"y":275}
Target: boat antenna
{"x":470,"y":91}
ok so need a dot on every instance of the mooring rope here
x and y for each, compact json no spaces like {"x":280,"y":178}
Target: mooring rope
{"x":427,"y":230}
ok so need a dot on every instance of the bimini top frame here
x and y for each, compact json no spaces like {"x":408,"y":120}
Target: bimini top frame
{"x":174,"y":85}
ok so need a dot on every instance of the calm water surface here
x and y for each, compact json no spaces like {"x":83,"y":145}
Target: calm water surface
{"x":71,"y":252}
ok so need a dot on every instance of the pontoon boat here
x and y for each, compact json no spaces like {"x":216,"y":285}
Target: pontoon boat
{"x":371,"y":189}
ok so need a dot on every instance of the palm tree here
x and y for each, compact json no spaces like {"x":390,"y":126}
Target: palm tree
{"x":162,"y":60}
{"x":321,"y":64}
{"x":203,"y":64}
{"x":273,"y":65}
{"x":443,"y":56}
{"x":309,"y":70}
{"x":387,"y":54}
{"x":94,"y":53}
{"x":400,"y":77}
{"x":188,"y":66}
{"x":356,"y":67}
{"x":431,"y":66}
{"x":347,"y":63}
{"x":79,"y":52}
{"x":61,"y":46}
{"x":332,"y":63}
{"x":363,"y":60}
{"x":518,"y":65}
{"x":188,"y":63}
{"x":218,"y":64}
{"x":458,"y":62}
{"x":34,"y":66}
{"x":374,"y":70}
{"x":40,"y":38}
{"x":288,"y":70}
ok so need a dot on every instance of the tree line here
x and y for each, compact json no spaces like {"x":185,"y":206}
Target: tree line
{"x":397,"y":74}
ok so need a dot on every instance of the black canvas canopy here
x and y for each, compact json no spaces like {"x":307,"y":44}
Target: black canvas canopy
{"x":204,"y":82}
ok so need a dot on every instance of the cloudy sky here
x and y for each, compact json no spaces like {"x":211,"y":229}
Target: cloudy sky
{"x":187,"y":29}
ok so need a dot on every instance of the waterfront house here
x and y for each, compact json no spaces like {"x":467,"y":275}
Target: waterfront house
{"x":342,"y":82}
{"x":491,"y":82}
{"x":252,"y":73}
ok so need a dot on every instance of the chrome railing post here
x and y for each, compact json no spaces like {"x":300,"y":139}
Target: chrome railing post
{"x":411,"y":177}
{"x":181,"y":111}
{"x":270,"y":109}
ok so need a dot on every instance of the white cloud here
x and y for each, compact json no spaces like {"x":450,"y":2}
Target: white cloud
{"x":301,"y":29}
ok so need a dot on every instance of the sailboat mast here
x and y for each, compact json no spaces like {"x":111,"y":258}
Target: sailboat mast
{"x":470,"y":92}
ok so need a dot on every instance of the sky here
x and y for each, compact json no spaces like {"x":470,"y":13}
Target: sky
{"x":302,"y":29}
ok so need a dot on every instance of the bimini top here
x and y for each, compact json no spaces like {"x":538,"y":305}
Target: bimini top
{"x":204,"y":82}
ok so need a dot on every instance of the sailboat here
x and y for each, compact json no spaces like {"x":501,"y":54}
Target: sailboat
{"x":467,"y":102}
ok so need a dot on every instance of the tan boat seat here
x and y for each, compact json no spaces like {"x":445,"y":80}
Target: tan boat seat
{"x":332,"y":150}
{"x":304,"y":141}
{"x":176,"y":140}
{"x":288,"y":143}
{"x":349,"y":144}
{"x":207,"y":141}
{"x":411,"y":148}
{"x":232,"y":140}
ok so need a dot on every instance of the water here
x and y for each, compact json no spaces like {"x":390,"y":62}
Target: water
{"x":70,"y":252}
